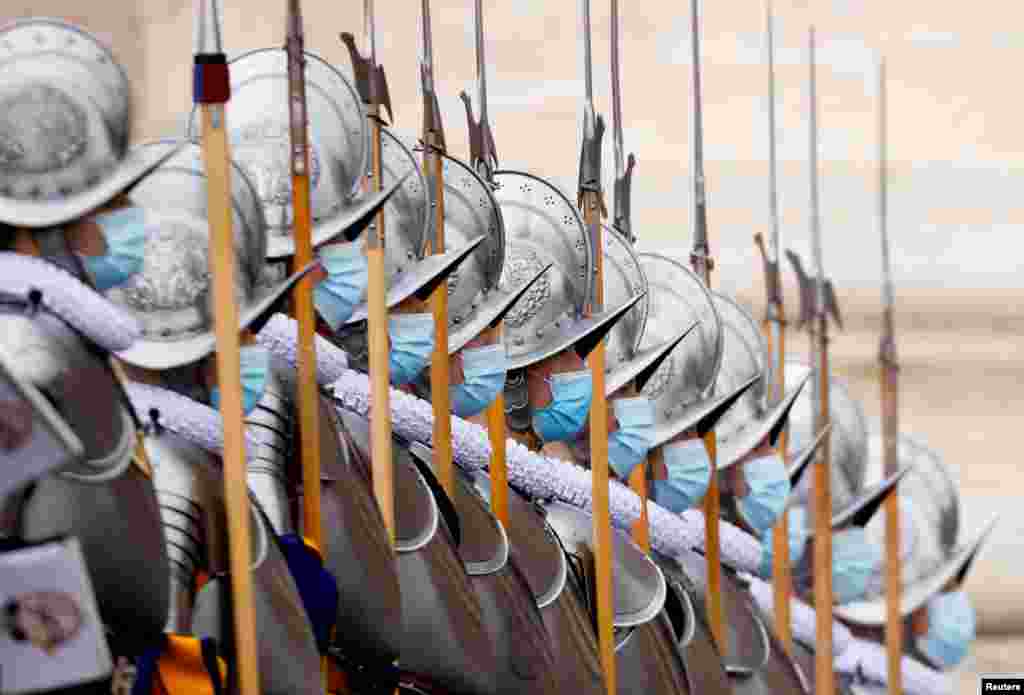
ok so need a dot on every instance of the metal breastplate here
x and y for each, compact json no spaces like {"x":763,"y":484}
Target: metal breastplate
{"x":271,"y":424}
{"x":187,"y":482}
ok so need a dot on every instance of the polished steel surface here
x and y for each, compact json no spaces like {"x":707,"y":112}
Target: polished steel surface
{"x":849,"y":437}
{"x":258,"y":118}
{"x":677,"y":299}
{"x":470,"y":210}
{"x":75,"y":378}
{"x":704,"y":668}
{"x":119,"y":526}
{"x":748,"y":645}
{"x":188,"y":482}
{"x":407,"y":214}
{"x":639,"y":587}
{"x":930,"y":509}
{"x":542,"y":226}
{"x":64,"y":110}
{"x":445,"y":634}
{"x":650,"y":661}
{"x":271,"y":424}
{"x":288,"y":658}
{"x":171,"y":297}
{"x":533,"y":544}
{"x":744,"y":356}
{"x":623,"y":279}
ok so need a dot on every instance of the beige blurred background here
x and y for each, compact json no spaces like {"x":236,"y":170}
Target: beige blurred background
{"x":955,"y":144}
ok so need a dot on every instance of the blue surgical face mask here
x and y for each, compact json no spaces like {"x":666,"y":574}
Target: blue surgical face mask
{"x":854,"y":560}
{"x":571,"y":394}
{"x":338,"y":294}
{"x":689,"y":473}
{"x":629,"y":444}
{"x":799,"y":532}
{"x":412,"y":344}
{"x":769,"y":487}
{"x":255,"y":361}
{"x":951,"y":629}
{"x":483,"y":377}
{"x":125,"y":233}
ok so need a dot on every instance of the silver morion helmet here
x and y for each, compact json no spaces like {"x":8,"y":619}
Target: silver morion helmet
{"x":848,"y":438}
{"x":64,"y":125}
{"x":682,"y":388}
{"x":544,"y":228}
{"x":172,"y":296}
{"x":260,"y":134}
{"x":933,"y":548}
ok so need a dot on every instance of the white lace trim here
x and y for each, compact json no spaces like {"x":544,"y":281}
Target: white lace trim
{"x":279,"y":336}
{"x":198,"y":423}
{"x":853,"y":656}
{"x":869,"y":661}
{"x":547,"y":478}
{"x":544,"y":477}
{"x":88,"y":312}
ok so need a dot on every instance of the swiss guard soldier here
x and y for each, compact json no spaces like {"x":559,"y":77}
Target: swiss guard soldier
{"x":176,"y":382}
{"x":940,"y":620}
{"x":64,"y":133}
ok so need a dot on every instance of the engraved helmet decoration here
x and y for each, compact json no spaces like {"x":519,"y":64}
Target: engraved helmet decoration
{"x":470,"y":211}
{"x":624,"y":279}
{"x":682,"y":388}
{"x":934,"y":550}
{"x":543,"y":228}
{"x":64,"y":125}
{"x":172,"y":296}
{"x":260,"y":135}
{"x":406,"y":222}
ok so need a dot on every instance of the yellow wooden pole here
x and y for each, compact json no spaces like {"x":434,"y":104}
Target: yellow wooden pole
{"x":380,"y":377}
{"x":890,"y":414}
{"x":599,"y":462}
{"x":641,"y":530}
{"x":433,"y":166}
{"x":703,"y":264}
{"x":775,"y":332}
{"x":496,"y":433}
{"x":592,"y":205}
{"x":822,"y":562}
{"x":236,"y":491}
{"x":440,"y":378}
{"x":782,"y":574}
{"x":309,"y":410}
{"x":485,"y":160}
